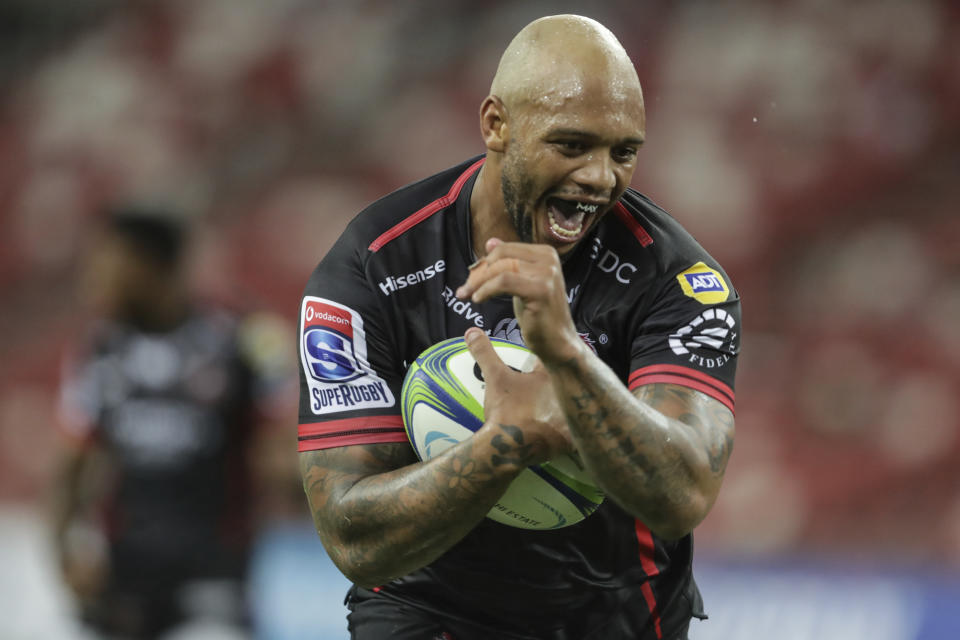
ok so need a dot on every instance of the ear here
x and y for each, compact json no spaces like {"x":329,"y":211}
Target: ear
{"x":493,"y":124}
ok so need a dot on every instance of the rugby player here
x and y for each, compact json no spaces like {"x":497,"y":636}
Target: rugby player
{"x":159,"y":404}
{"x":636,"y":328}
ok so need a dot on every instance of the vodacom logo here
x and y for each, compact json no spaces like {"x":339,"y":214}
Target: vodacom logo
{"x":312,"y":315}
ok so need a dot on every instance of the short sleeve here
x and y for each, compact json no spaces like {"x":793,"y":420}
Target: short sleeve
{"x":349,"y":376}
{"x":80,"y":401}
{"x":263,"y":340}
{"x":691,"y":335}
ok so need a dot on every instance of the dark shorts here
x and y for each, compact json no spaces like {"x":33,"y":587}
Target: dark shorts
{"x":139,"y":612}
{"x":148,"y":593}
{"x":375,"y":617}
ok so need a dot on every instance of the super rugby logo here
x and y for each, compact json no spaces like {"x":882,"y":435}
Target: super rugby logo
{"x":328,"y":343}
{"x":333,"y":351}
{"x":330,"y":355}
{"x":709,"y":340}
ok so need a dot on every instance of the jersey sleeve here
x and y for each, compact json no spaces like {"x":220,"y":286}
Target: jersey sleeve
{"x":350,"y":377}
{"x":263,"y":341}
{"x":691,"y":335}
{"x":80,"y":401}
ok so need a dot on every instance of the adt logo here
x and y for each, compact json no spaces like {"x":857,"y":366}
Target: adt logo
{"x":330,"y":356}
{"x":703,"y":284}
{"x":700,"y":282}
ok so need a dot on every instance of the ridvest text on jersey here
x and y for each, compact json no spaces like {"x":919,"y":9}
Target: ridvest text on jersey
{"x":462,"y":307}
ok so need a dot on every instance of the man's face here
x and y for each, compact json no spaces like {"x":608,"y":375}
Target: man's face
{"x":568,"y":161}
{"x":117,"y":280}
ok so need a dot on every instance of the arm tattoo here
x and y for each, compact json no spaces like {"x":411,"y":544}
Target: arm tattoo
{"x":381,"y":514}
{"x":509,"y":454}
{"x":710,"y":420}
{"x":655,"y":457}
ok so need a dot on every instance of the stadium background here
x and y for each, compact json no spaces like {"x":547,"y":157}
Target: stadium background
{"x":812,"y":146}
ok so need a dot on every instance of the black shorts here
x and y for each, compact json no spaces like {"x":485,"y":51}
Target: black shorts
{"x":376,"y":617}
{"x":138,"y":612}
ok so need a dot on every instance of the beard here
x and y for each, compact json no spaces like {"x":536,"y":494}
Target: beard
{"x":515,"y":185}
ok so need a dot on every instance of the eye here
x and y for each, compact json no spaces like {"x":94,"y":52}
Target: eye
{"x":571,"y":147}
{"x":624,"y":154}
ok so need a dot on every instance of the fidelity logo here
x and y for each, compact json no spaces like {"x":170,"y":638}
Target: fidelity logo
{"x":392,"y":283}
{"x":708,"y":340}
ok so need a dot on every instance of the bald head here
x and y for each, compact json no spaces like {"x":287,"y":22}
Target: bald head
{"x":557,"y":58}
{"x":562,"y":124}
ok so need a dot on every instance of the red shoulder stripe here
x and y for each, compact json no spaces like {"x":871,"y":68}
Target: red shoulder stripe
{"x":631,"y":223}
{"x":419,"y":216}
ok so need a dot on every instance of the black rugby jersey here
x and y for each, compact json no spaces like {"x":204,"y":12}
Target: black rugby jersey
{"x":174,"y":411}
{"x":643,"y":294}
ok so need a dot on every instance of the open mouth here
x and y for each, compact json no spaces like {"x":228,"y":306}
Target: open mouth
{"x":567,"y":219}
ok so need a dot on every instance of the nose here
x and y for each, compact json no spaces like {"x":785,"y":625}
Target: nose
{"x":597,"y":174}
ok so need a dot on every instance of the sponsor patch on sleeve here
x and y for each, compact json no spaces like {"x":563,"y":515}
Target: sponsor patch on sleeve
{"x":708,"y":341}
{"x":703,"y":284}
{"x":333,"y":352}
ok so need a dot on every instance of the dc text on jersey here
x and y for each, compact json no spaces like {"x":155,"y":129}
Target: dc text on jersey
{"x":610,"y":262}
{"x":333,"y":352}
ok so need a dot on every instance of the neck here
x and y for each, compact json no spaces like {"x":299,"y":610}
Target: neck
{"x":488,"y":214}
{"x":162,"y":310}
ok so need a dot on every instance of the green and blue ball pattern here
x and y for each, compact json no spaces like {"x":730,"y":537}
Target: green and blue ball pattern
{"x":442,"y":404}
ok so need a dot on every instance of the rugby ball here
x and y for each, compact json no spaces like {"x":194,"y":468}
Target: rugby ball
{"x":442,"y":404}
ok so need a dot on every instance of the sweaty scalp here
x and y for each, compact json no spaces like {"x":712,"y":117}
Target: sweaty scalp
{"x":557,"y":58}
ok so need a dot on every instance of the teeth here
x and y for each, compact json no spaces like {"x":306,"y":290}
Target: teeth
{"x":566,"y":233}
{"x":587,"y":208}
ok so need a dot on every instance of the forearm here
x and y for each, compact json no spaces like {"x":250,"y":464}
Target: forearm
{"x":388,"y":524}
{"x":654,"y":466}
{"x":64,"y":500}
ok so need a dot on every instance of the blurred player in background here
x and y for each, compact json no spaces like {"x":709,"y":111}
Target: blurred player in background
{"x":637,"y":330}
{"x":154,"y":504}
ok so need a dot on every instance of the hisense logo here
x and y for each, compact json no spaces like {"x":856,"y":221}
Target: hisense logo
{"x":392,"y":283}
